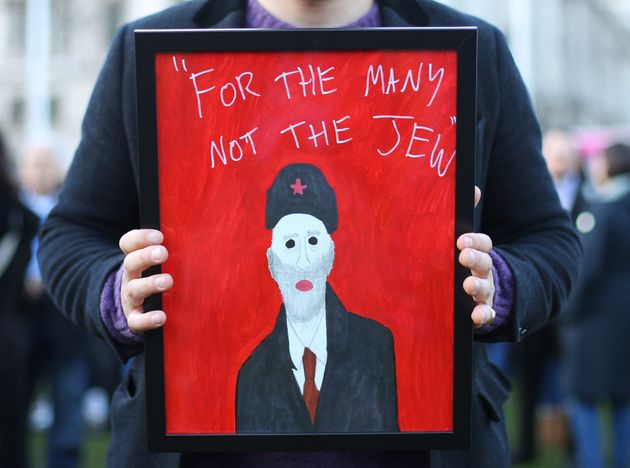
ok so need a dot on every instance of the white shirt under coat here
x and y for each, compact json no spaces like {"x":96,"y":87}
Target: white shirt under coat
{"x":317,"y":346}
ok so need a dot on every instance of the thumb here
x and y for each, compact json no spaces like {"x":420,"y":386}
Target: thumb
{"x":477,"y":195}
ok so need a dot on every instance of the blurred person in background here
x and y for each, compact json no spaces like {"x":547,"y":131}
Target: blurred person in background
{"x":565,"y":166}
{"x":540,"y":354}
{"x":57,"y":346}
{"x":535,"y":359}
{"x":596,"y":323}
{"x":17,"y":227}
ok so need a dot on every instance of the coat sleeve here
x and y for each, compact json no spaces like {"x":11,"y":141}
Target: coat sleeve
{"x":520,"y":209}
{"x":97,"y":203}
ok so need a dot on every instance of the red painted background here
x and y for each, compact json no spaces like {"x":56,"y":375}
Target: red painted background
{"x":394,"y":245}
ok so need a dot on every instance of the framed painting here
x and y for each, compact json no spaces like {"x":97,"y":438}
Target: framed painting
{"x":310,"y":185}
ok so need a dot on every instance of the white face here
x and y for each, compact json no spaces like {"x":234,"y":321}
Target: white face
{"x":300,"y":259}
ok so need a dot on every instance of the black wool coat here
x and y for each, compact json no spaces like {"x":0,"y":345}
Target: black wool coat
{"x":519,"y":210}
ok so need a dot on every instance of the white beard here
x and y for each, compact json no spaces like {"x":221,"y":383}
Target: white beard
{"x":302,"y":306}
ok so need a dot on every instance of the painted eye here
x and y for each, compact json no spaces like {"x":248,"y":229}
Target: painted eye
{"x":290,"y":244}
{"x":312,"y":240}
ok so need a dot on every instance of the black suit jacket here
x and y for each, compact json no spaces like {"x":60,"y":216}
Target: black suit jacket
{"x":358,"y":393}
{"x":519,"y":210}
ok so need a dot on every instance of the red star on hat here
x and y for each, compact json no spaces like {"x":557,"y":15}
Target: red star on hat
{"x":298,"y":188}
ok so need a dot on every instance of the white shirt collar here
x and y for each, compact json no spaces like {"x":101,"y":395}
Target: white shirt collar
{"x":318,"y":346}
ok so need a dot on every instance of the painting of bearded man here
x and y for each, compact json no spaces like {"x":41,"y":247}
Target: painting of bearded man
{"x":322,"y":368}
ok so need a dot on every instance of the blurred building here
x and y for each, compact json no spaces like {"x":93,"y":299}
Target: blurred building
{"x":574,"y":56}
{"x":80,"y":34}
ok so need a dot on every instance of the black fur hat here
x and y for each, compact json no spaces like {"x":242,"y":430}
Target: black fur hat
{"x":301,"y":188}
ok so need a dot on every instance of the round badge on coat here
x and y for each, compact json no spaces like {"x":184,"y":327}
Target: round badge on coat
{"x":585,"y":222}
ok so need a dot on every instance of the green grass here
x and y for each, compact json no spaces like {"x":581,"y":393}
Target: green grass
{"x":92,"y":456}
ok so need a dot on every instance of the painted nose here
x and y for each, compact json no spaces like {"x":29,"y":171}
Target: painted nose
{"x":303,"y":261}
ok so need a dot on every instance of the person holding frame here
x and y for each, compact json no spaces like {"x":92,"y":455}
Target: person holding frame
{"x":522,"y":266}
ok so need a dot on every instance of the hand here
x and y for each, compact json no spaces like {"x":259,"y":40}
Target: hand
{"x":143,"y":249}
{"x":474,"y":249}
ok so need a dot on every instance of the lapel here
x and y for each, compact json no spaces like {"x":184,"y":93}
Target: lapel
{"x":220,"y":14}
{"x":580,"y":203}
{"x":282,"y":368}
{"x":402,"y":13}
{"x":280,"y":344}
{"x":336,"y":344}
{"x":336,"y":325}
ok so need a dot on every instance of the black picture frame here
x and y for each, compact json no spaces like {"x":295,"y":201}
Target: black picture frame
{"x":463,"y":41}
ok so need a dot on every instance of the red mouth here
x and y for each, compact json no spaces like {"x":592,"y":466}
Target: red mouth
{"x":304,"y":285}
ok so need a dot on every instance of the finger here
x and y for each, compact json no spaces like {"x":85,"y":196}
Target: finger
{"x":475,"y":240}
{"x":140,"y":238}
{"x":139,"y":289}
{"x":481,"y":290}
{"x":479,"y":263}
{"x":483,"y":314}
{"x":141,"y":322}
{"x":139,"y":260}
{"x":477,"y":195}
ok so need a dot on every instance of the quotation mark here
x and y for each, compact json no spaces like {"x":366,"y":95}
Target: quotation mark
{"x":182,"y":63}
{"x":453,"y":119}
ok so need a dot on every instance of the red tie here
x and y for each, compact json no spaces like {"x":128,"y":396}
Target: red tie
{"x":311,"y":394}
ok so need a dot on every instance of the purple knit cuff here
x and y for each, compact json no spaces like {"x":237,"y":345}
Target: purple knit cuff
{"x":503,"y":294}
{"x":112,"y":312}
